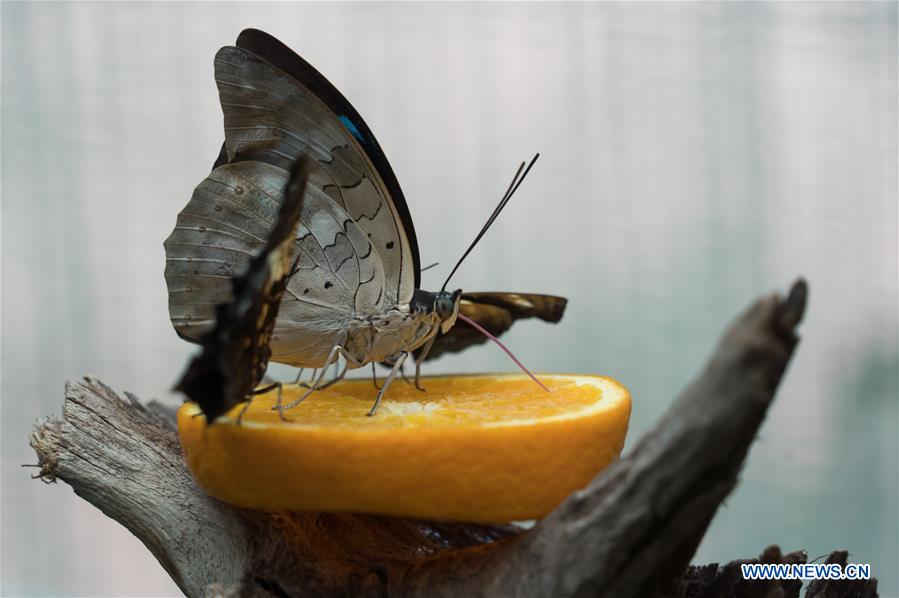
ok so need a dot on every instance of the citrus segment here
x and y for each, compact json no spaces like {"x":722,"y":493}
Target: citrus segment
{"x":488,"y":448}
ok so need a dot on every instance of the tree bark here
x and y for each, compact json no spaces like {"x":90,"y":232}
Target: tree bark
{"x":631,"y":532}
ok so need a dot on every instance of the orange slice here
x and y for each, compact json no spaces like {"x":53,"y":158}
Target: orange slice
{"x":486,"y":448}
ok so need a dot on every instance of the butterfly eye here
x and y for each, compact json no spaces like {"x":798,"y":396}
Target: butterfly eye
{"x":444,"y":306}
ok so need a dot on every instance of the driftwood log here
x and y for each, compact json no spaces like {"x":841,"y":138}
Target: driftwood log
{"x":631,"y":532}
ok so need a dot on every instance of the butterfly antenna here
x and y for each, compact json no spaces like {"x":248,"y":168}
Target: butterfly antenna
{"x":513,"y":187}
{"x":484,"y":331}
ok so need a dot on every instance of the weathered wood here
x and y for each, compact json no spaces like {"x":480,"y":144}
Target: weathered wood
{"x":841,"y":588}
{"x":124,"y":458}
{"x":631,"y":532}
{"x":712,"y":580}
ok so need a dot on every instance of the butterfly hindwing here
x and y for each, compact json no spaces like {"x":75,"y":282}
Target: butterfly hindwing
{"x":496,"y":312}
{"x":217,"y":233}
{"x":235,"y":351}
{"x":548,"y":308}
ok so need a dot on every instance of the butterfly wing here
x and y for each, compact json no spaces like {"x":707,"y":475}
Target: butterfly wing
{"x":356,"y":242}
{"x":236,"y":349}
{"x":277,"y":106}
{"x":226,"y":222}
{"x":496,"y":312}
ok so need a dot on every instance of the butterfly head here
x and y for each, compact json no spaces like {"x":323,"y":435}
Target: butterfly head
{"x":446,"y":306}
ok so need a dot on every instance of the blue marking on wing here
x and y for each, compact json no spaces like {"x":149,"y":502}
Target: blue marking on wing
{"x":351,"y":127}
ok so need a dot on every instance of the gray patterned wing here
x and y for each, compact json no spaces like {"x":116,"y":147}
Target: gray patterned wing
{"x":277,"y":107}
{"x":356,"y":242}
{"x":227,"y":221}
{"x":496,"y":312}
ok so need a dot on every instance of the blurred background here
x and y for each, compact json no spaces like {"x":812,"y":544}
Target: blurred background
{"x":694,"y":156}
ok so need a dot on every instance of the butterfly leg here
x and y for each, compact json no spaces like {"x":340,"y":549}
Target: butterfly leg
{"x":422,"y":356}
{"x":333,"y":356}
{"x":299,"y":375}
{"x":336,"y":378}
{"x":393,"y":372}
{"x":316,"y":380}
{"x":246,"y":405}
{"x":265,"y":389}
{"x":402,"y":374}
{"x":374,"y":376}
{"x":261,"y":391}
{"x":311,"y":379}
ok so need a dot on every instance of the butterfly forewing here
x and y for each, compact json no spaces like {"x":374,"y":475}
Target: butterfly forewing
{"x":276,"y":53}
{"x":272,"y":117}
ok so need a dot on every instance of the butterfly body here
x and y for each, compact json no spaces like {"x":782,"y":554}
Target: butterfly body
{"x":382,"y":338}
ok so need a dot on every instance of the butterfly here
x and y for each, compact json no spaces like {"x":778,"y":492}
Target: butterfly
{"x":355,"y":292}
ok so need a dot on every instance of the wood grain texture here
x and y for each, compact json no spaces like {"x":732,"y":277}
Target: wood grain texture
{"x":631,"y":532}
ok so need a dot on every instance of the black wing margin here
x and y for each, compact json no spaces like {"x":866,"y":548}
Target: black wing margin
{"x":236,"y":350}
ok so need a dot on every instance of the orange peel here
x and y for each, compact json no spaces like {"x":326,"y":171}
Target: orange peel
{"x":485,"y":448}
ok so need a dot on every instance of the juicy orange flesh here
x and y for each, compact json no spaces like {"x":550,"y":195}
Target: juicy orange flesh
{"x":448,"y":401}
{"x":488,"y":448}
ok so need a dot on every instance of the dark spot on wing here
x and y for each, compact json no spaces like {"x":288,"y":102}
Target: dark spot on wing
{"x":328,"y":284}
{"x":305,"y":291}
{"x":390,"y":245}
